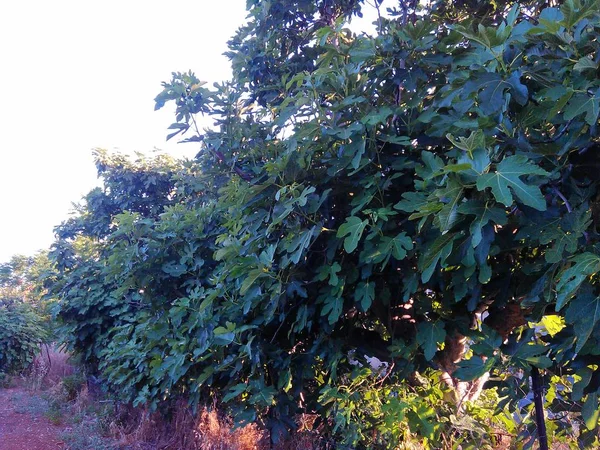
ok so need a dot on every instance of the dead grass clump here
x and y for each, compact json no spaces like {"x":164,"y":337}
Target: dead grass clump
{"x":59,"y":365}
{"x":139,"y":429}
{"x":49,"y":367}
{"x":215,"y":433}
{"x":307,"y":437}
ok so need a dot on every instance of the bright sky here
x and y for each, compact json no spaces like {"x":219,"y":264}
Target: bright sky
{"x":77,"y":75}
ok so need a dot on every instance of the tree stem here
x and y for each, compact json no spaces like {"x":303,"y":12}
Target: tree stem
{"x":538,"y":399}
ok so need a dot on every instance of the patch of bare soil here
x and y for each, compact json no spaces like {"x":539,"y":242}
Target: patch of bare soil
{"x":23,"y":426}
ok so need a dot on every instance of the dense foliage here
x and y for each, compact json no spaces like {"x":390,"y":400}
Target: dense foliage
{"x":427,"y":196}
{"x":22,"y":332}
{"x":23,"y":322}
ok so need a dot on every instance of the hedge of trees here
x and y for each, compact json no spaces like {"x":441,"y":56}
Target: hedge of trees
{"x":427,"y":196}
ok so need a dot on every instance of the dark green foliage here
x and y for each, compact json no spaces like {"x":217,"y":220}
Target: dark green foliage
{"x":395,"y":196}
{"x":72,"y":385}
{"x":23,"y":322}
{"x":94,"y":296}
{"x":22,"y":332}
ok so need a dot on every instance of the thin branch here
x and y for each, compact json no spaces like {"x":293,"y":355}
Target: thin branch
{"x":387,"y":374}
{"x":570,"y":210}
{"x":564,"y":199}
{"x":221,"y":158}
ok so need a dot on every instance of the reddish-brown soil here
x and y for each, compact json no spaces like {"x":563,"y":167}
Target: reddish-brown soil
{"x":22,"y":428}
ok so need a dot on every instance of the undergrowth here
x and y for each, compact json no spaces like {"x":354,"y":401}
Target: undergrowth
{"x":92,"y":420}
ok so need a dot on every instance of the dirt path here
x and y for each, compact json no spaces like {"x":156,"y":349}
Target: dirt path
{"x":23,"y":425}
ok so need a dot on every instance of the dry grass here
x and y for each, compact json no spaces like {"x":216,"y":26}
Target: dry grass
{"x":49,"y":367}
{"x":60,"y":366}
{"x":139,"y":429}
{"x":214,"y":433}
{"x":207,"y":431}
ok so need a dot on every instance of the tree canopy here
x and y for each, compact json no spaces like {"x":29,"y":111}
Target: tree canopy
{"x":427,"y":196}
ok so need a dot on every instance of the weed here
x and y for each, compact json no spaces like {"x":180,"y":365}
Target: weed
{"x":5,"y":380}
{"x":84,"y":437}
{"x":29,"y":404}
{"x":54,"y":415}
{"x":73,"y":385}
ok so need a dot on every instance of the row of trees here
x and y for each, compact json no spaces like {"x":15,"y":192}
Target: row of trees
{"x":427,"y":196}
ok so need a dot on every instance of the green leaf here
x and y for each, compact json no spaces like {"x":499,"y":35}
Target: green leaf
{"x":531,"y":355}
{"x":296,"y":248}
{"x":474,"y":368}
{"x":412,"y":201}
{"x":562,"y":241}
{"x":476,"y":140}
{"x":400,"y":244}
{"x":205,"y":375}
{"x":479,"y":161}
{"x":386,"y":247}
{"x":356,"y":148}
{"x":449,"y":196}
{"x":484,"y":213}
{"x":585,"y":63}
{"x":585,"y":375}
{"x":506,"y":180}
{"x":491,"y":88}
{"x":223,"y":336}
{"x":570,"y":279}
{"x":362,"y":49}
{"x":489,"y":37}
{"x":253,"y":275}
{"x":432,"y":166}
{"x":584,"y":104}
{"x":518,"y":90}
{"x":429,"y":209}
{"x":455,"y":168}
{"x":551,"y":19}
{"x":438,"y":250}
{"x":235,"y":391}
{"x":264,"y":397}
{"x":365,"y":294}
{"x":487,"y":343}
{"x":174,"y":269}
{"x":576,"y":10}
{"x":333,"y":271}
{"x":354,"y":128}
{"x":590,"y":411}
{"x":352,"y":229}
{"x":429,"y":336}
{"x":333,"y":309}
{"x":563,"y":232}
{"x":377,"y":116}
{"x":583,"y":313}
{"x":559,"y":104}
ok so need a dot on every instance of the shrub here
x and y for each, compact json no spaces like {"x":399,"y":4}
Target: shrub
{"x":73,"y":384}
{"x":21,"y":333}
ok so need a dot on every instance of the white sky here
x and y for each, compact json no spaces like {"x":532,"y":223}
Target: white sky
{"x":82,"y":74}
{"x":76,"y":75}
